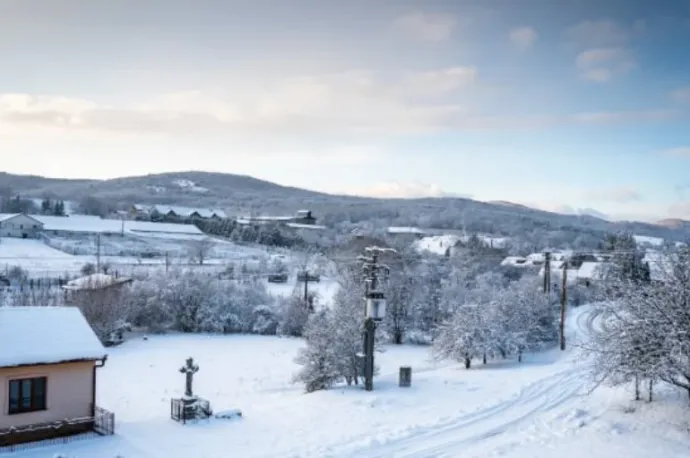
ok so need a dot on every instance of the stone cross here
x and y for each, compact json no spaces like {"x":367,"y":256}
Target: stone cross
{"x":189,"y":369}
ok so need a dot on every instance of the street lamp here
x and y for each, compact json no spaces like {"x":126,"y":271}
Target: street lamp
{"x":376,"y":306}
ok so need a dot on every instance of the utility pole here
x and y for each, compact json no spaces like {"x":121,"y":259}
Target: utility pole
{"x":167,"y":262}
{"x":375,"y":308}
{"x":547,"y":272}
{"x":564,"y":298}
{"x":98,"y":252}
{"x":307,"y":279}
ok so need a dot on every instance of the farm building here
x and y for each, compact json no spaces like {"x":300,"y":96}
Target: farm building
{"x":19,"y":225}
{"x":48,"y":362}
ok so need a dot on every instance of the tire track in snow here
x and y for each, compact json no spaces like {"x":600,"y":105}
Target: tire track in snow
{"x":440,"y":441}
{"x":451,"y":438}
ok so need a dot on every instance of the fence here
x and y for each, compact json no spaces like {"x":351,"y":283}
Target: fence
{"x":59,"y":432}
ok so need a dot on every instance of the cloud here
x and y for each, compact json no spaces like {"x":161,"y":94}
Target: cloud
{"x":602,"y":48}
{"x":354,"y":103}
{"x":523,"y":37}
{"x":677,"y":152}
{"x":681,"y":95}
{"x":623,"y":195}
{"x":597,"y":33}
{"x":602,"y":64}
{"x":440,"y":82}
{"x":397,"y":190}
{"x":425,"y":26}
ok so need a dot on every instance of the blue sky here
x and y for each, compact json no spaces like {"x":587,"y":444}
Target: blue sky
{"x":565,"y":107}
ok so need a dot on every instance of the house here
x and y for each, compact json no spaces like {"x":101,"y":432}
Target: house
{"x":19,"y":225}
{"x":591,"y":271}
{"x":48,"y":364}
{"x":304,"y":217}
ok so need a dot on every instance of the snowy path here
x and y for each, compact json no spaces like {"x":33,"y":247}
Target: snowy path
{"x":540,"y":397}
{"x":447,"y":440}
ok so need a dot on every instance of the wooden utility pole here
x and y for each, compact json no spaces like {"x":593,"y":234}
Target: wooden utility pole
{"x":167,"y":262}
{"x":564,"y":298}
{"x":547,"y":272}
{"x":98,"y":252}
{"x":307,"y":302}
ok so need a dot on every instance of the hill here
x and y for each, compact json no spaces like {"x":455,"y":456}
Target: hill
{"x":239,"y":194}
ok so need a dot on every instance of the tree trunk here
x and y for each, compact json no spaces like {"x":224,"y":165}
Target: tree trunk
{"x":520,"y":356}
{"x":651,"y":390}
{"x":397,"y":337}
{"x":637,"y":388}
{"x":484,"y":359}
{"x":468,"y":362}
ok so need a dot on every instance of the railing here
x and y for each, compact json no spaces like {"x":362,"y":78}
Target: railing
{"x":58,"y":432}
{"x":182,"y":410}
{"x":104,"y":422}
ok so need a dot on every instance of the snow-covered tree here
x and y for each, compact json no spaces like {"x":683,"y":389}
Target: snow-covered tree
{"x":646,"y":332}
{"x":321,"y":368}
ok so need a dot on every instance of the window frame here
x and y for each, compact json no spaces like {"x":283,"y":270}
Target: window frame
{"x":38,"y":403}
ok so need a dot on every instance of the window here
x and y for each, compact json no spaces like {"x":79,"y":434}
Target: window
{"x":27,"y":395}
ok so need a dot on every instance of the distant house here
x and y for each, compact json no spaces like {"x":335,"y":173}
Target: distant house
{"x":590,"y":272}
{"x":19,"y":225}
{"x":48,"y":362}
{"x":406,"y":232}
{"x":304,"y":217}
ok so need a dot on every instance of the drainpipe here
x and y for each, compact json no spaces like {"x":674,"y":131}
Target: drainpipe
{"x":98,"y":364}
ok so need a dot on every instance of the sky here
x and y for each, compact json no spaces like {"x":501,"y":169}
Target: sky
{"x":566,"y":106}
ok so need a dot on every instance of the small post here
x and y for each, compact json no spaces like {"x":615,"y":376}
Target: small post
{"x":405,"y":379}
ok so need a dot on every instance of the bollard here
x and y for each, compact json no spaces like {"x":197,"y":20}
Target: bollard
{"x":405,"y":376}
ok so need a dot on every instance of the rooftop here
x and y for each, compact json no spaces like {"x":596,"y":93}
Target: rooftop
{"x":46,"y":335}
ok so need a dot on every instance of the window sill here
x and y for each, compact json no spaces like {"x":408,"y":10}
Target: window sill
{"x":20,"y":412}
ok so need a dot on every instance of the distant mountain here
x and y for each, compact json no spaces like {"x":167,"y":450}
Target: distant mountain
{"x":241,"y":195}
{"x":674,"y":223}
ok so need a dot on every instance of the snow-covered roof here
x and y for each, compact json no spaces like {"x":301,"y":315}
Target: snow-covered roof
{"x":189,"y":211}
{"x":516,"y":261}
{"x":95,"y":224}
{"x":591,"y":271}
{"x":536,"y":257}
{"x":405,"y":230}
{"x":45,"y":335}
{"x":94,"y":281}
{"x":8,"y":216}
{"x":305,"y":226}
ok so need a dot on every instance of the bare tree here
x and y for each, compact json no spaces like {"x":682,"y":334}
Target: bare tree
{"x":200,"y":250}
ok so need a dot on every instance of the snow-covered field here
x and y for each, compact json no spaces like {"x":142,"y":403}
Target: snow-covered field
{"x":41,"y":260}
{"x":539,"y":408}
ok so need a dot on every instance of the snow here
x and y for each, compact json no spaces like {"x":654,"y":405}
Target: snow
{"x":305,"y":226}
{"x":516,"y":261}
{"x":189,"y":211}
{"x":437,"y":244}
{"x":40,"y":335}
{"x":405,"y":230}
{"x":647,"y":240}
{"x":94,"y":281}
{"x":6,"y":216}
{"x":189,"y":185}
{"x":12,"y":248}
{"x":540,"y":408}
{"x":95,"y":224}
{"x":591,"y":271}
